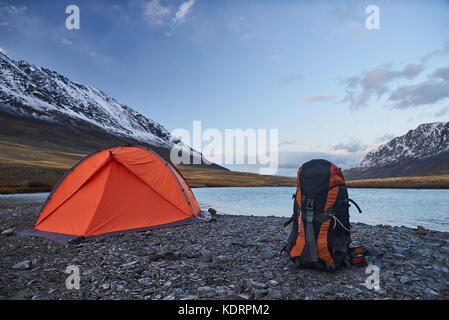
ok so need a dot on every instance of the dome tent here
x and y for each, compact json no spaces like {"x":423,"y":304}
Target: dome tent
{"x":115,"y":190}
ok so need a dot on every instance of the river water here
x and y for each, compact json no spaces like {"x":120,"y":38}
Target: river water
{"x":407,"y":207}
{"x":397,"y":207}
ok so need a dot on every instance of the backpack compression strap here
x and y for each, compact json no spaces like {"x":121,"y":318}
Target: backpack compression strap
{"x":294,"y":213}
{"x":356,"y":205}
{"x":310,"y":233}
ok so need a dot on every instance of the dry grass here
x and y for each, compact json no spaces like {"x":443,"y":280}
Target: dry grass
{"x":20,"y":154}
{"x":30,"y":169}
{"x":221,"y":178}
{"x":415,"y":182}
{"x":26,"y":168}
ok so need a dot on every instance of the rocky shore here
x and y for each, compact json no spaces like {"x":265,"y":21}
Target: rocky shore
{"x":233,"y":257}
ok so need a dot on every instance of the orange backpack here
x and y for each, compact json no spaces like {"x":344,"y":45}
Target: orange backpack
{"x":320,"y":236}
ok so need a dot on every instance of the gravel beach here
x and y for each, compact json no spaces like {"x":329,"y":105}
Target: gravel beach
{"x":233,"y":257}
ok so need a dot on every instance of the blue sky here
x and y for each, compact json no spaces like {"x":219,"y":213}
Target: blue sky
{"x":308,"y":68}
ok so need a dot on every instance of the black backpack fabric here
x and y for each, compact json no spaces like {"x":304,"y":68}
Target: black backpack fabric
{"x":320,"y":237}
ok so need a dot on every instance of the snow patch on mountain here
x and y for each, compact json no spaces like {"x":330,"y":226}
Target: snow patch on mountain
{"x":427,"y":140}
{"x":37,"y":92}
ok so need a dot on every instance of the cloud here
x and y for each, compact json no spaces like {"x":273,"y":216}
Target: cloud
{"x":121,"y":13}
{"x":240,"y":27}
{"x":275,"y":56}
{"x":427,"y":92}
{"x":156,"y":14}
{"x":66,"y":41}
{"x":167,"y":16}
{"x":374,"y":83}
{"x":183,"y":10}
{"x":286,"y":143}
{"x":443,"y":50}
{"x":354,"y":146}
{"x":430,"y":91}
{"x":349,"y":18}
{"x":385,"y":137}
{"x":314,"y":98}
{"x":14,"y":10}
{"x":294,"y":159}
{"x":290,"y":161}
{"x":21,"y":19}
{"x":293,"y":77}
{"x":25,"y":22}
{"x":442,"y":73}
{"x":2,"y":50}
{"x":442,"y":112}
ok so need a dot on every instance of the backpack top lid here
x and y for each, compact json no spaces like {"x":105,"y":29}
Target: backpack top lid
{"x":318,"y":175}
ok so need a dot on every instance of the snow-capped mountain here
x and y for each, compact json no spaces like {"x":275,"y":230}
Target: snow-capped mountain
{"x":37,"y":92}
{"x":420,"y":150}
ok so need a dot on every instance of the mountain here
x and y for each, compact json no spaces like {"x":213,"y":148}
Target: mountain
{"x":43,"y":108}
{"x":422,"y":151}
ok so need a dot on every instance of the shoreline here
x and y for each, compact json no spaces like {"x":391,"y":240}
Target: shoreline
{"x":350,"y":184}
{"x":10,"y":201}
{"x":8,"y":191}
{"x":233,"y":257}
{"x":210,"y":178}
{"x":32,"y":179}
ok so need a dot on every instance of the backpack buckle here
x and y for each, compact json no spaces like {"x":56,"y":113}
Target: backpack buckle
{"x":310,"y":203}
{"x":309,"y":209}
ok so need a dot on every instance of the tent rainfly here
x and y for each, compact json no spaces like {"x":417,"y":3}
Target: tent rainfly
{"x":115,"y":190}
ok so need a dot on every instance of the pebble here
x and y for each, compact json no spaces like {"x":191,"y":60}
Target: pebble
{"x":189,"y":297}
{"x":356,"y":291}
{"x":204,"y":289}
{"x":430,"y":291}
{"x":259,"y":285}
{"x":130,"y":264}
{"x":22,"y":265}
{"x":145,"y":281}
{"x":8,"y":232}
{"x":274,"y":282}
{"x":404,"y":279}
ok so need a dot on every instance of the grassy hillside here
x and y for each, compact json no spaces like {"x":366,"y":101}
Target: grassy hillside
{"x":437,"y":178}
{"x":25,"y":168}
{"x":220,"y":178}
{"x":35,"y":154}
{"x":441,"y":170}
{"x":415,"y":182}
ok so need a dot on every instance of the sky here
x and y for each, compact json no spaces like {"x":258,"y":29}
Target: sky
{"x":311,"y":69}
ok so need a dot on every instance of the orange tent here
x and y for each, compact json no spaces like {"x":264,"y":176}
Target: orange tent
{"x":124,"y":188}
